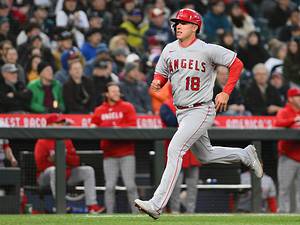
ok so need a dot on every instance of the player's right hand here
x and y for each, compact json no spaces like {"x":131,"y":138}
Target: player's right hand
{"x":221,"y":101}
{"x":156,"y":85}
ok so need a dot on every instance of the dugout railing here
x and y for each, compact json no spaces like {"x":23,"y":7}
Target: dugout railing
{"x":157,"y":135}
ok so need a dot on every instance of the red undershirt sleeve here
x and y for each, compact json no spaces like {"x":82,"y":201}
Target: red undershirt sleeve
{"x":163,"y":80}
{"x":234,"y":74}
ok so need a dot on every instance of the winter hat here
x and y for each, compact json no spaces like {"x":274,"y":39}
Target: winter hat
{"x":42,"y":65}
{"x":130,"y":66}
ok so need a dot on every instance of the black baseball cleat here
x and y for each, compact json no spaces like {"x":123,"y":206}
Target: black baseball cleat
{"x":146,"y":207}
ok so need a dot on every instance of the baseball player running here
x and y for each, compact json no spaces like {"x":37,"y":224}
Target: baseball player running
{"x":189,"y":64}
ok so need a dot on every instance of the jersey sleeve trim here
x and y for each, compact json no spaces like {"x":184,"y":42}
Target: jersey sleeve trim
{"x":233,"y":59}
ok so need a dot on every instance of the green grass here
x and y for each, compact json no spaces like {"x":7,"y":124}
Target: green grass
{"x":194,"y":219}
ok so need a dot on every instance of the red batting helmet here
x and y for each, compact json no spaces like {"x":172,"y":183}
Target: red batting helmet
{"x":188,"y":15}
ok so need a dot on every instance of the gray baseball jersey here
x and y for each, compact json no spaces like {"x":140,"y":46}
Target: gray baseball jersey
{"x":191,"y":70}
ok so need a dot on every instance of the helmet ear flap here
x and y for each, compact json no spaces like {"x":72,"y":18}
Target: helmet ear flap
{"x":174,"y":27}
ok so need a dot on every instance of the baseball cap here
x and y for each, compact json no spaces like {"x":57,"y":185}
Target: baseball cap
{"x":293,"y":92}
{"x":101,"y":64}
{"x":55,"y":118}
{"x":132,"y":58}
{"x":65,"y":35}
{"x":8,"y":67}
{"x":157,"y":12}
{"x":102,"y":48}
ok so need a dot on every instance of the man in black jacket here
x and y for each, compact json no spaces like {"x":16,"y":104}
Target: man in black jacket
{"x":14,"y":97}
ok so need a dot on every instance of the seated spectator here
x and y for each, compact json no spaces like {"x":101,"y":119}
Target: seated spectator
{"x":261,"y":98}
{"x":6,"y":152}
{"x":66,"y":57}
{"x":46,"y":92}
{"x":268,"y":195}
{"x":102,"y":52}
{"x":227,"y":41}
{"x":135,"y":59}
{"x":5,"y":30}
{"x":44,"y":154}
{"x":4,"y":45}
{"x":35,"y":42}
{"x":101,"y":75}
{"x":136,"y":29}
{"x":279,"y":14}
{"x":11,"y":57}
{"x":289,"y":152}
{"x":64,"y":41}
{"x":291,"y":65}
{"x":254,"y":51}
{"x":78,"y":91}
{"x":277,"y":80}
{"x":134,"y":90}
{"x":99,"y":8}
{"x":235,"y":104}
{"x":32,"y":29}
{"x":14,"y":97}
{"x":31,"y":68}
{"x":242,"y":23}
{"x":93,"y":41}
{"x":289,"y":31}
{"x":159,"y":28}
{"x":119,"y":42}
{"x":215,"y":22}
{"x":40,"y":14}
{"x":119,"y":156}
{"x":119,"y":57}
{"x":278,"y":52}
{"x":69,"y":15}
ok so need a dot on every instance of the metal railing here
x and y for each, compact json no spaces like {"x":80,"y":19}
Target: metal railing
{"x":157,"y":135}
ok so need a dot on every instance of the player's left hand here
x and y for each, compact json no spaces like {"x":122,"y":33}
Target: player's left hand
{"x":221,"y":101}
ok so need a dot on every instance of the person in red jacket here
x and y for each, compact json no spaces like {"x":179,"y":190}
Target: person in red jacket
{"x":289,"y":152}
{"x":119,"y":156}
{"x":190,"y":165}
{"x":44,"y":154}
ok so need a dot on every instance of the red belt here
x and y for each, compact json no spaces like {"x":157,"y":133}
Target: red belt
{"x":190,"y":106}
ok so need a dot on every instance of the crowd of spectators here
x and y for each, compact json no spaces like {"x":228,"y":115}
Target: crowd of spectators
{"x":57,"y":56}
